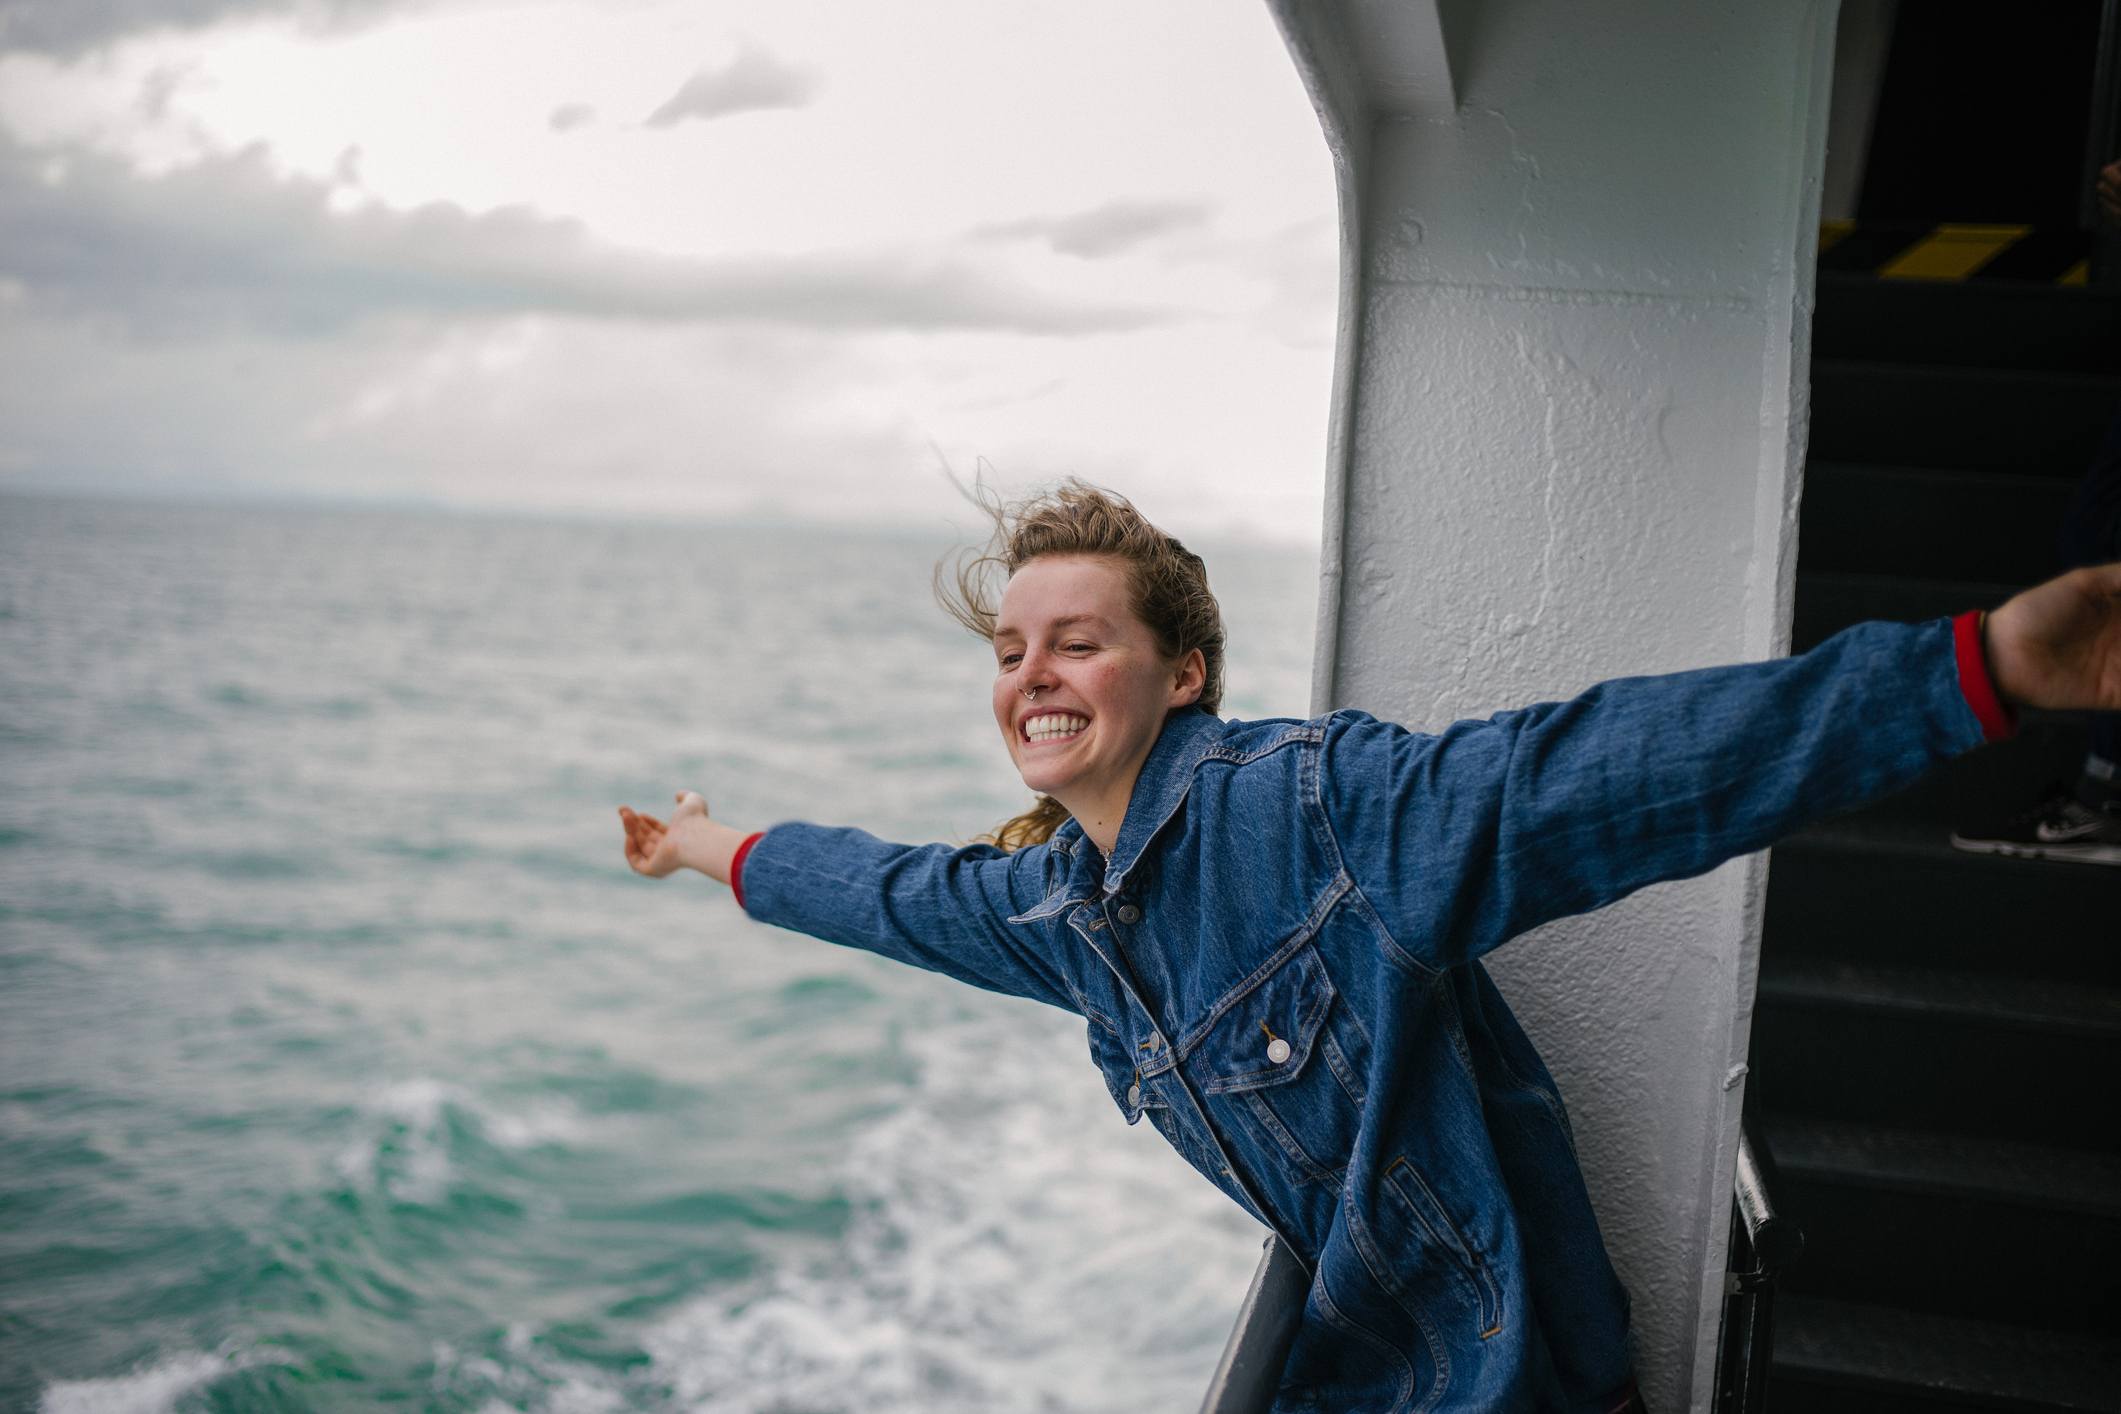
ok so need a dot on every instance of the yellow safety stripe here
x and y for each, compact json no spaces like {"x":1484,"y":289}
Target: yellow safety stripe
{"x":1955,"y":251}
{"x":1951,"y":252}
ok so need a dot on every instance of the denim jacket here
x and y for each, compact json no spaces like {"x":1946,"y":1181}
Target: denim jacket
{"x":1279,"y":966}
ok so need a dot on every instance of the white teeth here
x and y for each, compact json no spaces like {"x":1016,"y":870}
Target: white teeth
{"x":1053,"y":726}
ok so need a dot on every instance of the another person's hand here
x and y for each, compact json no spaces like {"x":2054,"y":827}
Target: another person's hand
{"x":2058,"y":645}
{"x":656,"y":849}
{"x":2109,"y":189}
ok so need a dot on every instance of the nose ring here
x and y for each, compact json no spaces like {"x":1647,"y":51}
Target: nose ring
{"x":1032,"y":694}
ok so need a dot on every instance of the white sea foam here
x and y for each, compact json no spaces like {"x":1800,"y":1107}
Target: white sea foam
{"x":1017,"y":1248}
{"x":154,"y":1389}
{"x":404,"y":1147}
{"x":532,"y":1378}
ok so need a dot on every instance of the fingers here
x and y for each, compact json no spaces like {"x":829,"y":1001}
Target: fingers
{"x":643,"y":834}
{"x":2104,"y":579}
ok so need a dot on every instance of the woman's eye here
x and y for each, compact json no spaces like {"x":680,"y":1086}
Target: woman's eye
{"x":1008,"y":660}
{"x":1079,"y":648}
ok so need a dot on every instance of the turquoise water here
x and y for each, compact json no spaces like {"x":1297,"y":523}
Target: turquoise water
{"x":344,"y":1065}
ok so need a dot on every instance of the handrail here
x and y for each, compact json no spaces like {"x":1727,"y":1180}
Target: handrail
{"x":1772,"y":1239}
{"x":1250,"y":1371}
{"x":1763,"y":1242}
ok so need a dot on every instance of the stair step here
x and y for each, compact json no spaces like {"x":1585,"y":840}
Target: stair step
{"x":1953,"y":1255}
{"x":2033,"y":423}
{"x":1995,"y":1056}
{"x":1835,"y":1356}
{"x":1971,"y":324}
{"x":1891,"y":891}
{"x":1950,"y":1224}
{"x":1947,"y":1165}
{"x":1925,"y":523}
{"x":1828,"y":602}
{"x":2050,"y":1008}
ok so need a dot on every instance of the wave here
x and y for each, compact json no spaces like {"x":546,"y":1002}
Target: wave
{"x":415,"y":1129}
{"x":1014,"y":1247}
{"x":153,"y":1389}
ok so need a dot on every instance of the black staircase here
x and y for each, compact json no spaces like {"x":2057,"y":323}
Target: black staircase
{"x":1937,"y":1044}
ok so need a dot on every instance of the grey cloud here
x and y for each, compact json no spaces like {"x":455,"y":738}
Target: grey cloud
{"x":1112,"y":228}
{"x":229,"y":242}
{"x":569,"y":116}
{"x":646,"y":419}
{"x":68,"y":28}
{"x":752,"y":80}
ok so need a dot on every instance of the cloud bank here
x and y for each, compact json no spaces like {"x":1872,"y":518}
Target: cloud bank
{"x":229,"y":241}
{"x":1111,"y":228}
{"x":751,"y":81}
{"x":65,"y":29}
{"x":569,"y":116}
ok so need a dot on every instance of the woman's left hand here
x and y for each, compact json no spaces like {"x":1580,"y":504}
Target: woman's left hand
{"x":2058,"y":644}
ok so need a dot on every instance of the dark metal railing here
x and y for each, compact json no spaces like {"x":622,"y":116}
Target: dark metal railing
{"x":1763,"y":1242}
{"x":1259,"y":1342}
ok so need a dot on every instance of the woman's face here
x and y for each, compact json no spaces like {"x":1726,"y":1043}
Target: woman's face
{"x":1067,"y":632}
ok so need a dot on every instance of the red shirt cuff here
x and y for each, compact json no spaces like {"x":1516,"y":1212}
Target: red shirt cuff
{"x":736,"y":865}
{"x":1997,"y":720}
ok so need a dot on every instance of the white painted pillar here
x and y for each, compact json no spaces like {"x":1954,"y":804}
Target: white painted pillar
{"x":1567,"y":444}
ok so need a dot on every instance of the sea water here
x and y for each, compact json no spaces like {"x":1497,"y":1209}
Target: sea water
{"x":344,"y":1064}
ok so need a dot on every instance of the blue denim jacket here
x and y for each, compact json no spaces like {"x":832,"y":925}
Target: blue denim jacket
{"x":1279,"y":968}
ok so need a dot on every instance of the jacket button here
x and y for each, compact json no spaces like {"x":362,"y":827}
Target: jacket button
{"x":1134,"y":1096}
{"x":1277,"y":1050}
{"x":1128,"y":913}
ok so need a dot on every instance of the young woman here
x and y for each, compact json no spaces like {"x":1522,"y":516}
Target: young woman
{"x":1274,"y":928}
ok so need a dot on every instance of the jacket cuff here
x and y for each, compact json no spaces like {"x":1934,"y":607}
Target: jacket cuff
{"x":736,"y":865}
{"x":1998,"y":721}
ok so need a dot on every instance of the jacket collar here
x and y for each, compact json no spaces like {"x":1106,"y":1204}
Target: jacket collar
{"x":1165,"y":777}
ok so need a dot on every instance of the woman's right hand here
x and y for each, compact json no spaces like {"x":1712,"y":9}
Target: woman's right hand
{"x":655,"y":849}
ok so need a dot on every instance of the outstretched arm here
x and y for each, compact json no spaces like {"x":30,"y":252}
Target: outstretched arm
{"x":1462,"y":840}
{"x":943,"y":909}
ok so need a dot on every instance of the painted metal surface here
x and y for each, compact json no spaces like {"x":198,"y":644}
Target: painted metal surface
{"x":1566,"y":444}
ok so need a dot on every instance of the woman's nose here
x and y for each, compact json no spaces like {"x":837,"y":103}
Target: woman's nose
{"x":1035,"y":671}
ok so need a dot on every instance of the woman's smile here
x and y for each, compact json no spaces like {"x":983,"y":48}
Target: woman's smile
{"x":1047,"y":728}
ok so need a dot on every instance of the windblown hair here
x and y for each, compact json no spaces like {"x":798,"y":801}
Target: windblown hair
{"x":1170,"y":592}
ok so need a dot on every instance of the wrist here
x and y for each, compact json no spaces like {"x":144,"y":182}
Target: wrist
{"x":712,"y":849}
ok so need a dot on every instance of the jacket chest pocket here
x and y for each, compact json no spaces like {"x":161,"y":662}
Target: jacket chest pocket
{"x":1278,"y":1058}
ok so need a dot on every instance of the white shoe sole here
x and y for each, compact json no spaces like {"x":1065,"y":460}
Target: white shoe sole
{"x":2073,"y":853}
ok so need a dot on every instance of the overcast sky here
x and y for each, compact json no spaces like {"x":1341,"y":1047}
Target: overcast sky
{"x":758,"y":257}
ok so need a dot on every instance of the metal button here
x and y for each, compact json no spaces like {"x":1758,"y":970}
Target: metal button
{"x":1277,"y":1050}
{"x":1128,"y":913}
{"x":1134,"y":1096}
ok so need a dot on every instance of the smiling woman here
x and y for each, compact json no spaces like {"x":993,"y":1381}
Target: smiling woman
{"x":1274,"y":929}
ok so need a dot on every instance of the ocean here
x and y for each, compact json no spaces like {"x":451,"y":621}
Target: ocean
{"x":344,"y":1064}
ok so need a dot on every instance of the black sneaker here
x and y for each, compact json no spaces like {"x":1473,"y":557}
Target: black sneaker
{"x":2059,"y":827}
